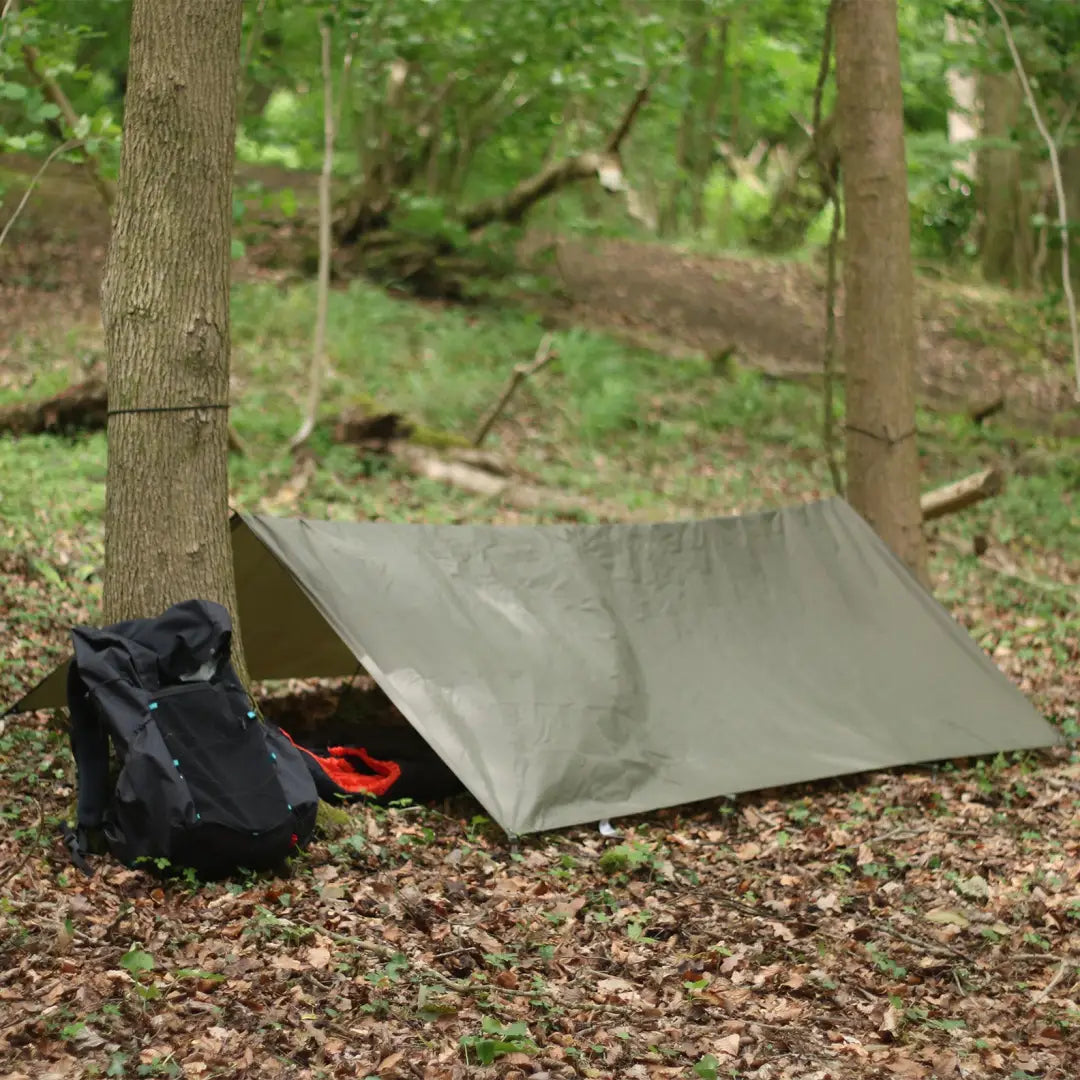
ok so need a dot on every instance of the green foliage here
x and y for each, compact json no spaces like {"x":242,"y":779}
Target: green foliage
{"x":707,"y":1067}
{"x":496,"y":1040}
{"x":75,"y":45}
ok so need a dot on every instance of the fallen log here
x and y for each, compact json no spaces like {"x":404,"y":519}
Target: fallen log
{"x":82,"y":407}
{"x":480,"y":481}
{"x":961,"y":494}
{"x":530,"y":497}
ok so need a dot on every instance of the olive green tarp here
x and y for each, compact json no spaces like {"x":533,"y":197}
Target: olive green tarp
{"x":571,"y":673}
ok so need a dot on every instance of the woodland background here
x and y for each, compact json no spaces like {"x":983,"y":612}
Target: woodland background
{"x":632,"y":201}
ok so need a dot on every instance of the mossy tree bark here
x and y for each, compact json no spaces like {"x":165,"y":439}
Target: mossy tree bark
{"x":165,"y":309}
{"x":879,"y":320}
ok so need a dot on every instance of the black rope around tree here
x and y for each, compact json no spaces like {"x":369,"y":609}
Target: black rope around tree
{"x":163,"y":409}
{"x":889,"y":440}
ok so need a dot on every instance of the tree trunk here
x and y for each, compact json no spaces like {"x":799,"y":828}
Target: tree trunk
{"x":1006,"y":196}
{"x":879,"y":321}
{"x":963,"y":90}
{"x":165,"y":309}
{"x":1070,"y":176}
{"x":706,"y":138}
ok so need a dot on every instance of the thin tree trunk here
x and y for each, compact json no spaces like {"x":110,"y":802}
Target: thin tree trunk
{"x":165,"y":309}
{"x":706,"y":136}
{"x":734,"y":123}
{"x":879,"y":331}
{"x":963,"y":90}
{"x":318,"y":356}
{"x":1007,"y":242}
{"x":685,"y":150}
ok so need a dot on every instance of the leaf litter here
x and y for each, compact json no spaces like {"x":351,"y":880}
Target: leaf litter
{"x":915,"y":923}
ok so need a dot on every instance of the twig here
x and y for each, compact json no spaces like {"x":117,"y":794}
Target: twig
{"x":935,"y":949}
{"x":616,"y":137}
{"x":829,"y":183}
{"x":9,"y":8}
{"x":37,"y":176}
{"x":1059,"y":186}
{"x":520,"y":373}
{"x":318,"y":358}
{"x":236,"y":444}
{"x":59,"y":99}
{"x":1016,"y":573}
{"x":1058,"y":976}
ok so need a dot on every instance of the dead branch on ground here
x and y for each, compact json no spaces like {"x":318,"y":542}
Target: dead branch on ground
{"x":288,"y":495}
{"x":961,"y":494}
{"x":318,"y":356}
{"x":521,"y":372}
{"x":480,"y":481}
{"x":1059,"y":185}
{"x":997,"y":562}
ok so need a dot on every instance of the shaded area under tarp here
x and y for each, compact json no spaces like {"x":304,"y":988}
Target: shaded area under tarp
{"x":569,"y":673}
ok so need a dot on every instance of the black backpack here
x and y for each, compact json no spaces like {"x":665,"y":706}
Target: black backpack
{"x":203,"y":782}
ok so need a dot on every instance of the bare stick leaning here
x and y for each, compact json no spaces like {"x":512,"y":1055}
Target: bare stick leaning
{"x":521,"y":372}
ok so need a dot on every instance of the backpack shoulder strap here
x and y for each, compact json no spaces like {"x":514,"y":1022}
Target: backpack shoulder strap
{"x":90,"y":747}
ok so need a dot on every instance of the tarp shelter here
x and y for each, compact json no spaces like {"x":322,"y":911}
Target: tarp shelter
{"x":571,"y":673}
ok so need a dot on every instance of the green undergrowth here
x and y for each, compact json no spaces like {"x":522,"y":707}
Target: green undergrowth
{"x":597,"y":415}
{"x":631,"y":431}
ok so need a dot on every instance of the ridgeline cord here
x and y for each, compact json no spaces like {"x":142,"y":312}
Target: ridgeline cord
{"x":163,"y":409}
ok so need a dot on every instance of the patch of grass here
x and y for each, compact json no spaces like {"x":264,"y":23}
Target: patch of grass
{"x":637,"y":432}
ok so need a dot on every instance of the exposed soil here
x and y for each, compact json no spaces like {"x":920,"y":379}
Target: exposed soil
{"x":769,"y":312}
{"x":772,"y":314}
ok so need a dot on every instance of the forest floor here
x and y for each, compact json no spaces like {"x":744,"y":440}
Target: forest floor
{"x":913,"y":923}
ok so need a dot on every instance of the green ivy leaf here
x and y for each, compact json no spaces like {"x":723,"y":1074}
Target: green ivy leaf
{"x":136,"y":962}
{"x":708,"y":1067}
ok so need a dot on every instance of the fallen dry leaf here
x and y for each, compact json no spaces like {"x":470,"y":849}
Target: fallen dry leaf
{"x":317,"y":957}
